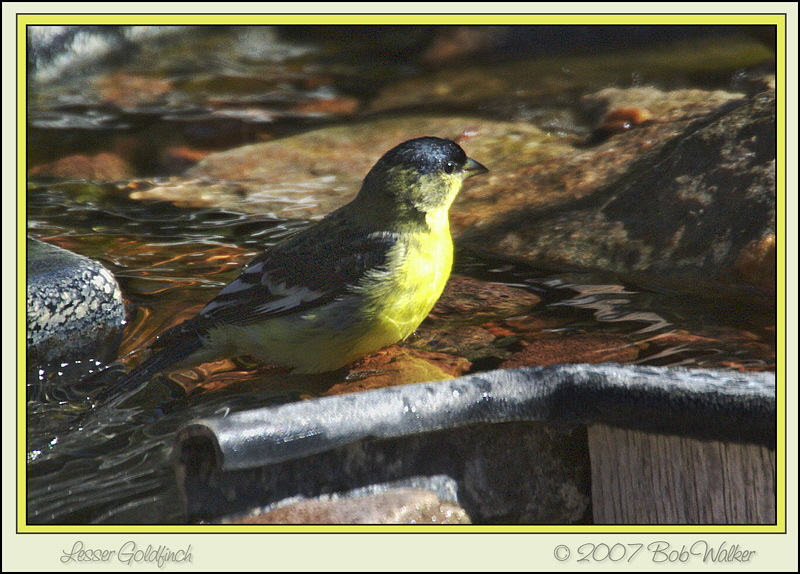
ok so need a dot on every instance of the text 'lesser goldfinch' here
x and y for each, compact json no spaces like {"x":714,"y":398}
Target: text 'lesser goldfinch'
{"x":360,"y":279}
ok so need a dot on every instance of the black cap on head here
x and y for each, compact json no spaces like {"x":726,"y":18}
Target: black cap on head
{"x":426,"y":154}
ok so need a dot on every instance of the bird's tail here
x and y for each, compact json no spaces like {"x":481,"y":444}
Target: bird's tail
{"x":176,"y":351}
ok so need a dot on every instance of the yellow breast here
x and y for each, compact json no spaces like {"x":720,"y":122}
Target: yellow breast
{"x":386,"y":307}
{"x":401,"y":299}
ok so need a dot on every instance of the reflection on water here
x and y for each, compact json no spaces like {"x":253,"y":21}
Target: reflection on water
{"x":171,"y":261}
{"x":609,"y":304}
{"x":671,"y":328}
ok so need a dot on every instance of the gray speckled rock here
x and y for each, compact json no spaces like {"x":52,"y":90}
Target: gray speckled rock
{"x":75,"y":308}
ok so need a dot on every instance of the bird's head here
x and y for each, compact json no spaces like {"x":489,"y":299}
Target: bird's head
{"x":419,"y":176}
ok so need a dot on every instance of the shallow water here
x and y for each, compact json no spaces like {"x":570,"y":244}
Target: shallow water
{"x":110,"y":463}
{"x":171,"y":261}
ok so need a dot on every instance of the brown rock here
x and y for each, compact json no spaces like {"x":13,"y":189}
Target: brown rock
{"x":583,"y":348}
{"x":665,"y":218}
{"x":756,"y":263}
{"x":715,"y":348}
{"x":127,"y":89}
{"x":180,"y":157}
{"x":311,"y":174}
{"x":103,"y":166}
{"x":341,"y":106}
{"x":396,"y":365}
{"x":462,"y":321}
{"x":458,"y":340}
{"x":543,"y":79}
{"x":456,"y":43}
{"x":399,"y":506}
{"x":470,"y":300}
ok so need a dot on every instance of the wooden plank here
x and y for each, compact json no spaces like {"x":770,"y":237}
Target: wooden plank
{"x":646,"y":478}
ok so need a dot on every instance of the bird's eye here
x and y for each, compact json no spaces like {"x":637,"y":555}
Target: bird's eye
{"x":449,"y":167}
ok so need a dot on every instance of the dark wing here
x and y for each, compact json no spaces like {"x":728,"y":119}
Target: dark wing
{"x":304,"y":271}
{"x":307,"y":270}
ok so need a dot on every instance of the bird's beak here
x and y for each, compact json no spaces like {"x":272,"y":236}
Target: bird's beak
{"x":472,"y":167}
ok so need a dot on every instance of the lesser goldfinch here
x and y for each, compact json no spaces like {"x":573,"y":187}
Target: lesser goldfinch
{"x":360,"y":279}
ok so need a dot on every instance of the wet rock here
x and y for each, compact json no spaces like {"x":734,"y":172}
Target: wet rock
{"x":396,"y":365}
{"x":756,"y":262}
{"x":457,"y":43}
{"x":397,"y":506}
{"x":619,"y":120}
{"x":126,"y":89}
{"x":179,"y":158}
{"x":580,"y":348}
{"x":465,"y":299}
{"x":520,"y":87}
{"x":684,"y":198}
{"x":547,"y":173}
{"x":74,"y":308}
{"x":453,"y":43}
{"x":471,"y":342}
{"x":203,"y":193}
{"x":461,"y":323}
{"x":311,"y":174}
{"x":696,"y":212}
{"x":103,"y":166}
{"x":651,"y":104}
{"x":340,"y":106}
{"x":753,"y":353}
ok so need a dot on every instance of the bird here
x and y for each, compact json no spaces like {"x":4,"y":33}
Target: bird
{"x":360,"y":279}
